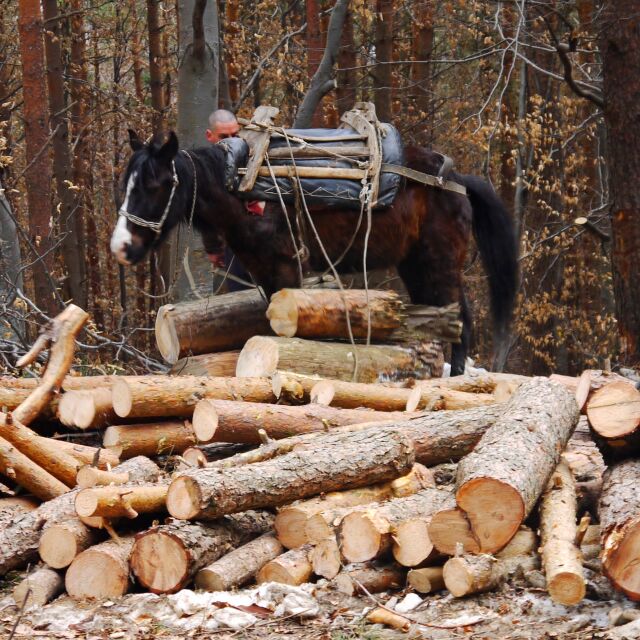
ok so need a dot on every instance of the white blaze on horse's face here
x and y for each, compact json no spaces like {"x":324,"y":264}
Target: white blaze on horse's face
{"x":121,"y":238}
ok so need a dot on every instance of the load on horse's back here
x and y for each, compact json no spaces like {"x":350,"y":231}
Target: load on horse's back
{"x":334,"y":197}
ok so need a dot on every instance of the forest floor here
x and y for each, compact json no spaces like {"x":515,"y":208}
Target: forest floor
{"x":512,"y":613}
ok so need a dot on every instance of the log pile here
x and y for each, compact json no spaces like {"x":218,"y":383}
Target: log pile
{"x":336,"y":480}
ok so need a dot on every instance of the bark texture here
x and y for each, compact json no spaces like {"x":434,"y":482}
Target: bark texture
{"x":38,"y":588}
{"x":219,"y":365}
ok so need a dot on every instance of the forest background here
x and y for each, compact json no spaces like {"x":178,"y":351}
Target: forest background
{"x":540,"y":96}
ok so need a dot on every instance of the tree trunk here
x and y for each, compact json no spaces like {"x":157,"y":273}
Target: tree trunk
{"x":347,"y":61}
{"x":162,"y":396}
{"x":188,"y":547}
{"x":620,"y":51}
{"x":217,"y":323}
{"x":561,"y":559}
{"x":422,"y":50}
{"x":263,"y":356}
{"x":101,"y":571}
{"x":38,"y":588}
{"x":38,"y":171}
{"x":292,"y":567}
{"x":322,"y":313}
{"x":240,"y":422}
{"x":232,"y":29}
{"x":61,"y":543}
{"x":343,"y":462}
{"x":620,"y":527}
{"x":10,"y":258}
{"x":240,"y":566}
{"x":383,"y":76}
{"x":373,"y":579}
{"x":507,"y":471}
{"x":217,"y":365}
{"x":155,"y":64}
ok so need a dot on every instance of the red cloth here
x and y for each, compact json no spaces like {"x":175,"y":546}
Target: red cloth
{"x":256,"y":207}
{"x":216,"y":259}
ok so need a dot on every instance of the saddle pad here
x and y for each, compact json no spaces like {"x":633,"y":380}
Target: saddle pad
{"x":330,"y":192}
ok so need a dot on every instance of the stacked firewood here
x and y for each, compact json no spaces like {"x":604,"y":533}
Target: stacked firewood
{"x":215,"y":482}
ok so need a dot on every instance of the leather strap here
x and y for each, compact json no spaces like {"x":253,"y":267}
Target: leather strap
{"x":424,"y":178}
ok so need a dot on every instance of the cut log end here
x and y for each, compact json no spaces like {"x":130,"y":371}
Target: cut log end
{"x":411,"y":542}
{"x":449,"y":531}
{"x":323,"y":392}
{"x":184,"y":498}
{"x":86,"y":503}
{"x":359,"y":537}
{"x":567,"y":588}
{"x":325,"y":559}
{"x":614,"y":410}
{"x":167,"y":339}
{"x":122,"y":398}
{"x":283,"y":313}
{"x":205,"y":420}
{"x":58,"y":547}
{"x":414,"y":399}
{"x":457,"y":577}
{"x":260,"y":360}
{"x":290,"y":527}
{"x":160,"y":576}
{"x":426,"y":580}
{"x":94,"y":575}
{"x":494,"y":509}
{"x":620,"y":563}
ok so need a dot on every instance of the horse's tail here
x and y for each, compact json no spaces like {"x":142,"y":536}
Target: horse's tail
{"x":494,"y":232}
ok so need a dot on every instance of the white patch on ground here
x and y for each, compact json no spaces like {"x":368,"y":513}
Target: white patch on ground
{"x":121,"y":237}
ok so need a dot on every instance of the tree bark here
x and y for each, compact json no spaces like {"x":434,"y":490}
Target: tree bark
{"x":216,"y":323}
{"x":561,"y":558}
{"x":155,"y":64}
{"x":38,"y":588}
{"x":347,"y":61}
{"x":240,"y":566}
{"x":499,"y":482}
{"x":38,"y":171}
{"x":620,"y":527}
{"x":240,"y":422}
{"x":162,"y":396}
{"x":382,"y":75}
{"x":188,"y":547}
{"x":620,"y":51}
{"x":357,"y":460}
{"x":292,"y":567}
{"x":263,"y":356}
{"x":82,"y":453}
{"x":10,"y":255}
{"x":217,"y":365}
{"x":322,"y":313}
{"x":422,"y":48}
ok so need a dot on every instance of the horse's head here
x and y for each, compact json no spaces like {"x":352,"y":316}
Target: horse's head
{"x":151,"y":204}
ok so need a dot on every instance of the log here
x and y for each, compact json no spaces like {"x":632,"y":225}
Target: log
{"x":294,"y":522}
{"x":100,"y":572}
{"x":13,"y":508}
{"x":465,"y":575}
{"x":351,"y":395}
{"x":423,"y":398}
{"x":239,"y":422}
{"x":400,"y":524}
{"x":18,"y":467}
{"x":216,"y":323}
{"x":83,"y":454}
{"x":59,"y":335}
{"x":163,"y":396}
{"x":195,"y":457}
{"x":561,"y":559}
{"x":326,"y":559}
{"x":345,"y":461}
{"x":217,"y":365}
{"x":499,"y":482}
{"x":292,"y":567}
{"x":38,"y":588}
{"x":373,"y":579}
{"x":381,"y":615}
{"x":187,"y":547}
{"x":87,"y":409}
{"x":330,"y":173}
{"x":19,"y":542}
{"x":153,"y":439}
{"x":322,"y":313}
{"x":58,"y":464}
{"x":313,"y":151}
{"x":426,"y":580}
{"x":89,"y":476}
{"x":263,"y":356}
{"x":240,"y":566}
{"x":619,"y":512}
{"x":441,"y":437}
{"x":121,"y":502}
{"x":613,"y":412}
{"x":61,"y":543}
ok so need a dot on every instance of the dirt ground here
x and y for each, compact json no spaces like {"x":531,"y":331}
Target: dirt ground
{"x":515,"y":612}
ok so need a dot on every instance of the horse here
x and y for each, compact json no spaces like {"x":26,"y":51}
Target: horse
{"x":425,"y":233}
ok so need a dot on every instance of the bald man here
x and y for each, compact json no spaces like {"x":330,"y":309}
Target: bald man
{"x":222,"y":124}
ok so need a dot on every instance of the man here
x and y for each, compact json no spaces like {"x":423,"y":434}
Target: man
{"x":222,"y":125}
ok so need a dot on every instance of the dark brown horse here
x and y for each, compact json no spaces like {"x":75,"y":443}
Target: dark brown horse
{"x":425,"y":233}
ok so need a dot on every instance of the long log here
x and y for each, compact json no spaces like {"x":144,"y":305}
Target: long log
{"x":323,"y":313}
{"x":561,"y":559}
{"x":424,"y":398}
{"x":400,"y":524}
{"x":82,"y":453}
{"x":292,"y":567}
{"x":292,"y":521}
{"x":239,"y":566}
{"x":186,"y":547}
{"x":101,"y":571}
{"x":38,"y":588}
{"x":19,"y":541}
{"x":217,"y":365}
{"x":86,"y":409}
{"x":263,"y":356}
{"x":499,"y":482}
{"x":216,"y":323}
{"x":153,"y":439}
{"x":619,"y":512}
{"x":60,"y":335}
{"x":163,"y":396}
{"x":371,"y":579}
{"x":344,"y":461}
{"x":239,"y":422}
{"x":121,"y":501}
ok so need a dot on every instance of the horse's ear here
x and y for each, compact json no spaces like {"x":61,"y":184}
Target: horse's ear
{"x":134,"y":141}
{"x":169,"y":149}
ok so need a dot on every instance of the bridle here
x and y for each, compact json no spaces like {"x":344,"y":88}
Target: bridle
{"x":156,"y":227}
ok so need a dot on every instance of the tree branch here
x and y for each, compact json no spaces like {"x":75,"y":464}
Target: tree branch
{"x":578,"y":88}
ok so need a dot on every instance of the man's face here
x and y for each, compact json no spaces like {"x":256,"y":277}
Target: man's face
{"x":222,"y":130}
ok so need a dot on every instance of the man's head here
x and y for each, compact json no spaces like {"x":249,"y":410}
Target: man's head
{"x":222,"y":124}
